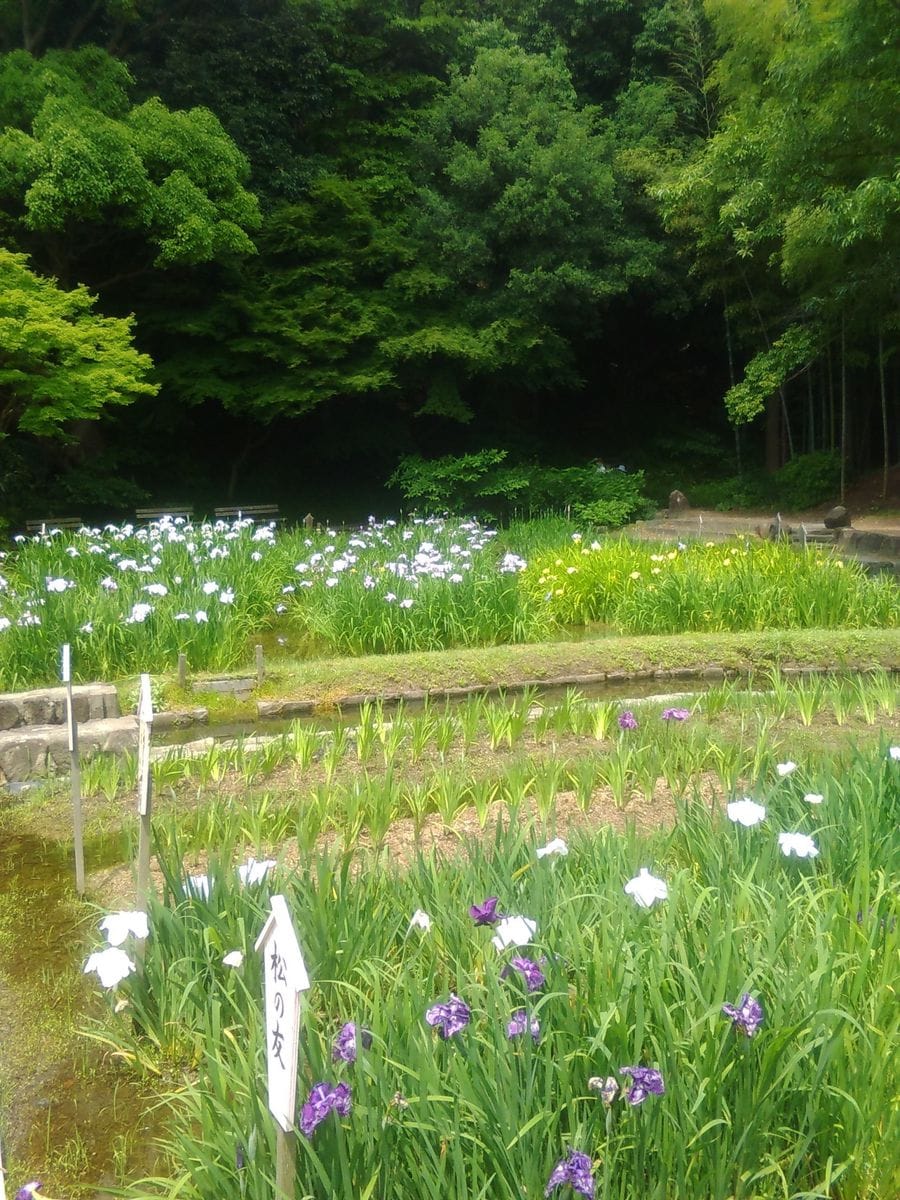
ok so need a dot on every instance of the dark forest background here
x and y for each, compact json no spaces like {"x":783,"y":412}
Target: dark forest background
{"x":266,"y":250}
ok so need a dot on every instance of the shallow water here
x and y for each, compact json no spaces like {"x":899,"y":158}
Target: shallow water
{"x":622,"y":691}
{"x":68,"y":1114}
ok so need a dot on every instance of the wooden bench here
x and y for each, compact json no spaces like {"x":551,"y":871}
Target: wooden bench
{"x":255,"y":512}
{"x":42,"y":524}
{"x":144,"y":516}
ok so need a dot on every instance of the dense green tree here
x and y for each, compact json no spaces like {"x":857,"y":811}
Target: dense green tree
{"x":95,"y":188}
{"x":519,"y":225}
{"x":799,"y":183}
{"x":490,"y":239}
{"x":59,"y":361}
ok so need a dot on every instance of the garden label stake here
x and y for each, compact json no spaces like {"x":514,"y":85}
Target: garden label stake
{"x":72,"y":728}
{"x":285,"y":978}
{"x":145,"y":730}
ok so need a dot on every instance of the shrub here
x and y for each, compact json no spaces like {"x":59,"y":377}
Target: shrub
{"x":455,"y":482}
{"x":752,"y":490}
{"x":808,"y":480}
{"x":478,"y":483}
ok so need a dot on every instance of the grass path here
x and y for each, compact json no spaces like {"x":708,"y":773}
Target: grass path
{"x":325,"y":681}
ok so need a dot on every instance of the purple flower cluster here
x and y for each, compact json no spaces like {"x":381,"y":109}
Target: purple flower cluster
{"x":575,"y":1170}
{"x":29,"y":1190}
{"x":323,"y":1099}
{"x":747,"y":1016}
{"x":627,"y":720}
{"x":449,"y":1018}
{"x":486,"y":913}
{"x":675,"y":714}
{"x":645,"y":1081}
{"x":519,"y":1023}
{"x":530,"y":971}
{"x":345,"y":1044}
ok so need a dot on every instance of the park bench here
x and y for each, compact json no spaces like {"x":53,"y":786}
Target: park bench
{"x":255,"y":512}
{"x":144,"y":516}
{"x":42,"y":524}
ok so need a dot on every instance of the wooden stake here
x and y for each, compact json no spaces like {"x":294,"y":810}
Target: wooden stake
{"x":75,"y":768}
{"x":145,"y":731}
{"x":182,"y":671}
{"x":260,"y":665}
{"x":285,"y":1164}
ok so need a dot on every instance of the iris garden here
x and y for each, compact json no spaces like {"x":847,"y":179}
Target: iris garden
{"x":708,"y":1010}
{"x":558,"y":947}
{"x":131,"y":599}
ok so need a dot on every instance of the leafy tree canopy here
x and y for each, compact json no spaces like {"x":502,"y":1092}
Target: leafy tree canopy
{"x":60,"y":361}
{"x":80,"y":168}
{"x":519,"y":226}
{"x":801,"y":174}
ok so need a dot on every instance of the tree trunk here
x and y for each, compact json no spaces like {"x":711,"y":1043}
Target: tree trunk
{"x":884,"y":417}
{"x":729,"y":348}
{"x":843,"y":408}
{"x":773,"y":433}
{"x":787,"y":424}
{"x":250,"y":447}
{"x":830,"y":403}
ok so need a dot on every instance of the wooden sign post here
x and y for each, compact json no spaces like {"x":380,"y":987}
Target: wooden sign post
{"x":260,"y":666}
{"x":285,"y":978}
{"x":75,"y":768}
{"x":145,"y":731}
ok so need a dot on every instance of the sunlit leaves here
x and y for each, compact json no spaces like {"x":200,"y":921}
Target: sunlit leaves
{"x":59,"y":361}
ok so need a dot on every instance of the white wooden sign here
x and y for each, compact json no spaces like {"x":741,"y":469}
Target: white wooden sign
{"x":66,"y":674}
{"x":285,"y":978}
{"x":145,"y":730}
{"x":75,"y":768}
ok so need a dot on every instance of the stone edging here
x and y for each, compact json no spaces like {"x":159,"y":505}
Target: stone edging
{"x":267,"y":710}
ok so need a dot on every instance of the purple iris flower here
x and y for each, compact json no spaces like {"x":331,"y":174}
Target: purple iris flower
{"x":345,"y":1044}
{"x":627,"y":720}
{"x":676,"y":714}
{"x":529,"y":970}
{"x":29,"y":1190}
{"x":323,"y":1099}
{"x":449,"y":1018}
{"x":519,"y":1023}
{"x":575,"y":1170}
{"x":486,"y":914}
{"x":645,"y":1081}
{"x":747,"y":1016}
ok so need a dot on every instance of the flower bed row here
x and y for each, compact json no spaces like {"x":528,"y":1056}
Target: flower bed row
{"x":469,"y":1047}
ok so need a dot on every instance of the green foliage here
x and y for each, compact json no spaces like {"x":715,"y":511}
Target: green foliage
{"x":59,"y":361}
{"x":805,"y":481}
{"x":753,"y":489}
{"x":481,"y":481}
{"x":453,"y":483}
{"x":623,"y":986}
{"x":75,"y":155}
{"x":768,"y":371}
{"x":792,"y":200}
{"x":637,"y":588}
{"x":808,"y":480}
{"x":617,"y":499}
